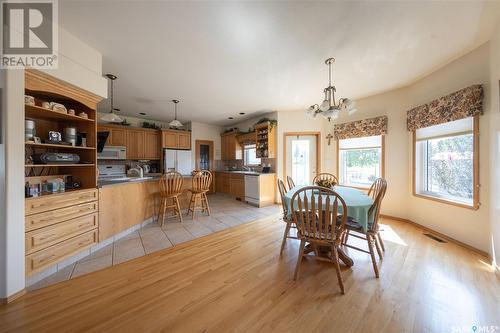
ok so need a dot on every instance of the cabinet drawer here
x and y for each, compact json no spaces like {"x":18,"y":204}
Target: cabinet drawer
{"x":50,"y":202}
{"x":45,"y":237}
{"x":42,"y":259}
{"x":59,"y":215}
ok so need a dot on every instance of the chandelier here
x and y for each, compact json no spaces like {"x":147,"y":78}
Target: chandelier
{"x":329,"y":108}
{"x":175,"y":123}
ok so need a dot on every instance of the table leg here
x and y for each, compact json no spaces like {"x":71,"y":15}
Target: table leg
{"x":342,"y":255}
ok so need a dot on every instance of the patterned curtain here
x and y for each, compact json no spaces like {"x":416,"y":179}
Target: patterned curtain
{"x":361,"y":128}
{"x":461,"y":104}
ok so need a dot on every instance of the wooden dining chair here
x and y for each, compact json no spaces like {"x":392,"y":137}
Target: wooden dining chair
{"x":320,"y":215}
{"x":287,"y":219}
{"x":291,"y":183}
{"x":372,"y":234}
{"x":199,"y":188}
{"x":325,"y":177}
{"x":170,"y":189}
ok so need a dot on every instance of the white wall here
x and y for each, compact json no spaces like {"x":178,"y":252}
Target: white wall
{"x":494,"y":140}
{"x":201,"y":131}
{"x":79,"y":65}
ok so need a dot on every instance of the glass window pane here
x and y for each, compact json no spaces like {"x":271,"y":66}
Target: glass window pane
{"x":450,"y":167}
{"x":250,"y":155}
{"x":359,"y":167}
{"x":300,"y":162}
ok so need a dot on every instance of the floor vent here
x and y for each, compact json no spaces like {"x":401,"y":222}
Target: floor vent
{"x":431,"y":236}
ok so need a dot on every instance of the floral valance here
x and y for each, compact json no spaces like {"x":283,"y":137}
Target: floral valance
{"x":461,"y":104}
{"x":360,"y":128}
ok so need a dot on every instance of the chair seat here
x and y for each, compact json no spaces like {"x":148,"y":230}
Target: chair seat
{"x":354,"y":225}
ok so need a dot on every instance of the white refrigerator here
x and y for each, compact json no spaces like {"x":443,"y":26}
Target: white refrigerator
{"x":177,"y":160}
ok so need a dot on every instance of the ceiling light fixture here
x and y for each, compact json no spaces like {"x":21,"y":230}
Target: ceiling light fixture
{"x":175,"y":122}
{"x":329,"y":108}
{"x":230,"y":118}
{"x":112,"y":117}
{"x":242,"y":113}
{"x":142,"y":113}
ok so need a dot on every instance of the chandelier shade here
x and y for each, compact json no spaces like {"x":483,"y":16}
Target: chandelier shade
{"x":330,"y":108}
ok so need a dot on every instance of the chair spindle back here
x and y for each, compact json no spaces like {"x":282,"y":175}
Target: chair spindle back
{"x":171,"y":184}
{"x":317,"y":215}
{"x":377,"y":192}
{"x":291,"y":183}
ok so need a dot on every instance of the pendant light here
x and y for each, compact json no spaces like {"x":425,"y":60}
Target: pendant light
{"x":175,"y":122}
{"x":330,"y":108}
{"x":112,"y":117}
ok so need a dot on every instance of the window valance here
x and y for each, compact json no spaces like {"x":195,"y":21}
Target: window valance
{"x":461,"y":104}
{"x":361,"y":128}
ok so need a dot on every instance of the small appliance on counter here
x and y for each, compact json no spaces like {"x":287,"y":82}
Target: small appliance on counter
{"x":135,"y":172}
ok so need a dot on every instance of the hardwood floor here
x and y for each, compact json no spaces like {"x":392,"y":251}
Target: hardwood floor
{"x":234,"y":280}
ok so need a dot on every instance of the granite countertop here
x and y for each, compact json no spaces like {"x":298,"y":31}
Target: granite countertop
{"x":249,"y":173}
{"x":149,"y":177}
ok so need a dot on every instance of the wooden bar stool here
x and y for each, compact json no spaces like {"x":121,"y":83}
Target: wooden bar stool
{"x":200,"y":186}
{"x":170,"y":189}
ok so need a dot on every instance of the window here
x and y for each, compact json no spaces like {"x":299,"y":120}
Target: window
{"x":249,"y":155}
{"x":360,"y":160}
{"x":445,"y":162}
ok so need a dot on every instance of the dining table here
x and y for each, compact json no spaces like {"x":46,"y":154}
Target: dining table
{"x":358,"y":204}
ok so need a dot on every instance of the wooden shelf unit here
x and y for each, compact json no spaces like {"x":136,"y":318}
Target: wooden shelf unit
{"x":45,"y":88}
{"x":59,"y":225}
{"x":265,"y":141}
{"x":56,"y":146}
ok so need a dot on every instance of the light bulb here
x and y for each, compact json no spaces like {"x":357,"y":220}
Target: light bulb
{"x":325,"y":105}
{"x":311,"y":111}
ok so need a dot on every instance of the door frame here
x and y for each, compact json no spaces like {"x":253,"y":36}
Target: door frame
{"x":197,"y":145}
{"x":318,"y":149}
{"x":210,"y":143}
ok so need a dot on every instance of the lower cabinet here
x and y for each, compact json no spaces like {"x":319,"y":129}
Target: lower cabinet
{"x":59,"y":226}
{"x":232,"y":184}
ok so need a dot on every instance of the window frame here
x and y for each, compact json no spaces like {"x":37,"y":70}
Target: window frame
{"x":382,"y":162}
{"x":475,"y":165}
{"x":244,"y":155}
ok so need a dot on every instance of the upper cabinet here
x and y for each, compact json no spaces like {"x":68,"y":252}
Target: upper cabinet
{"x":135,"y":144}
{"x":117,"y":136}
{"x":230,"y":147}
{"x":173,"y":139}
{"x":141,"y":143}
{"x":152,"y":148}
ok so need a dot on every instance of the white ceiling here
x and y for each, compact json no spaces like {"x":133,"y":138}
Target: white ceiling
{"x":222,"y":58}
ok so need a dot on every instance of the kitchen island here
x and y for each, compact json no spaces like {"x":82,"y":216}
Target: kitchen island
{"x":126,"y":203}
{"x":256,"y":188}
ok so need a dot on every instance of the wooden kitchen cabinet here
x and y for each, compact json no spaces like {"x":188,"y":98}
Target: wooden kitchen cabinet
{"x":135,"y":144}
{"x":184,"y":140}
{"x":117,"y":135}
{"x":230,"y":147}
{"x":152,"y":149}
{"x":237,"y":186}
{"x":174,"y":139}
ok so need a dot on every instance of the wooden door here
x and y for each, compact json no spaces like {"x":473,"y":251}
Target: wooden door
{"x":118,"y":137}
{"x":135,"y":144}
{"x":169,"y":139}
{"x":184,"y":140}
{"x":152,"y":145}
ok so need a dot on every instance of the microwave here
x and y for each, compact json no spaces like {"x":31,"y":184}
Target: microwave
{"x":112,"y":153}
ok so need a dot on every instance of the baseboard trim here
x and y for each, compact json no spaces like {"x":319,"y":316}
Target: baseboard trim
{"x":438,"y":234}
{"x":13,"y":297}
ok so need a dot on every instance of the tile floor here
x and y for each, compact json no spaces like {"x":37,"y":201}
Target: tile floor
{"x":226,"y":212}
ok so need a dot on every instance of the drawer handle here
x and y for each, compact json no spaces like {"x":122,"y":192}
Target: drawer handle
{"x":47,"y":236}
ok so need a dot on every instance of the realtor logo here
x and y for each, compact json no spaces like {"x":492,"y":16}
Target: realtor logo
{"x":29,"y":34}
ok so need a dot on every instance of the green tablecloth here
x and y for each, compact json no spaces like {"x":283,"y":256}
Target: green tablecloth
{"x":358,"y":203}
